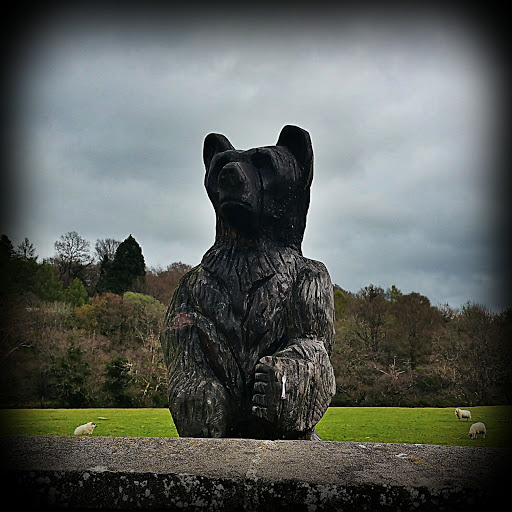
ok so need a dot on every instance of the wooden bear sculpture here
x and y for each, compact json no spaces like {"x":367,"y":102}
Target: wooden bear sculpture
{"x":249,"y":331}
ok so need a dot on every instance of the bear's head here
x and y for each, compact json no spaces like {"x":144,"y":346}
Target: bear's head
{"x":262,"y":193}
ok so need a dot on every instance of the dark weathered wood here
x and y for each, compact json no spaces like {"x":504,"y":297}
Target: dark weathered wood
{"x":255,"y":309}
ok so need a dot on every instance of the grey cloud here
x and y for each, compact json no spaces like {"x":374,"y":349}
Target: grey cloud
{"x":401,"y":116}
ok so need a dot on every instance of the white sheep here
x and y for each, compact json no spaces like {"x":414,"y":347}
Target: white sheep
{"x":88,"y":428}
{"x":477,"y":428}
{"x":462,"y":413}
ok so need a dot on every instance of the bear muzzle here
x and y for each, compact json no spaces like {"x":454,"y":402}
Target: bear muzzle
{"x":239,"y":191}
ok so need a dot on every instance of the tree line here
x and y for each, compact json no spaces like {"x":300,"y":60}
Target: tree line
{"x":82,"y":329}
{"x":396,"y":349}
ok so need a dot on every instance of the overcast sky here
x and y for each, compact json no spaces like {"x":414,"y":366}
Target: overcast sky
{"x":111,"y":113}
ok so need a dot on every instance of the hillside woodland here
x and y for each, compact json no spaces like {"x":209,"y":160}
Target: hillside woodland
{"x":82,"y":328}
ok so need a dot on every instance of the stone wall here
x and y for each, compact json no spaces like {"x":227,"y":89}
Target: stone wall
{"x":242,"y":474}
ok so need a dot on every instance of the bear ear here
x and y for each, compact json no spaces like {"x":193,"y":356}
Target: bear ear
{"x":214,"y":143}
{"x":298,"y":142}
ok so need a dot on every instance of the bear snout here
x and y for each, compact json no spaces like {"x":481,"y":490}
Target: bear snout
{"x":232,"y":177}
{"x":239,"y":190}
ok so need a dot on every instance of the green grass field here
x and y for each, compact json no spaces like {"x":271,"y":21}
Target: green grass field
{"x":360,"y":424}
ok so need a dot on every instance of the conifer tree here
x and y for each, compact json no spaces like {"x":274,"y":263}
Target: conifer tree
{"x":104,"y":285}
{"x":128,"y":265}
{"x":75,"y":294}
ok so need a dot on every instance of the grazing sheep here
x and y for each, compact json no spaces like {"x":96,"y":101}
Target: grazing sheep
{"x":477,"y":428}
{"x":88,"y":428}
{"x":461,"y":413}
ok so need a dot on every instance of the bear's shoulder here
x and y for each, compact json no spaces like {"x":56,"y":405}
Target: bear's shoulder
{"x":313,"y":269}
{"x":314,"y":286}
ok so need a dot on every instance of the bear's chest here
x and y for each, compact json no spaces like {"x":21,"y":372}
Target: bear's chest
{"x":244,"y":307}
{"x":248,"y":297}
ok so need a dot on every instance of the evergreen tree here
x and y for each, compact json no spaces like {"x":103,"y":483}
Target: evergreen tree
{"x":394,"y":294}
{"x":75,"y":294}
{"x":128,"y":265}
{"x":6,"y":265}
{"x":117,"y":381}
{"x":70,"y":372}
{"x":20,"y":273}
{"x":46,"y":285}
{"x":6,"y":247}
{"x":105,"y":251}
{"x":104,"y":285}
{"x":340,"y":303}
{"x":26,"y":250}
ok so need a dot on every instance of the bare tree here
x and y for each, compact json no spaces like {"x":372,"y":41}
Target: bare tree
{"x":161,"y":283}
{"x":470,"y":355}
{"x":369,"y":312}
{"x":106,"y":248}
{"x":413,"y":325}
{"x":72,"y":257}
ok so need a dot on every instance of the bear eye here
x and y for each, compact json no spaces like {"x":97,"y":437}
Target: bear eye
{"x":261,"y":159}
{"x":216,"y":160}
